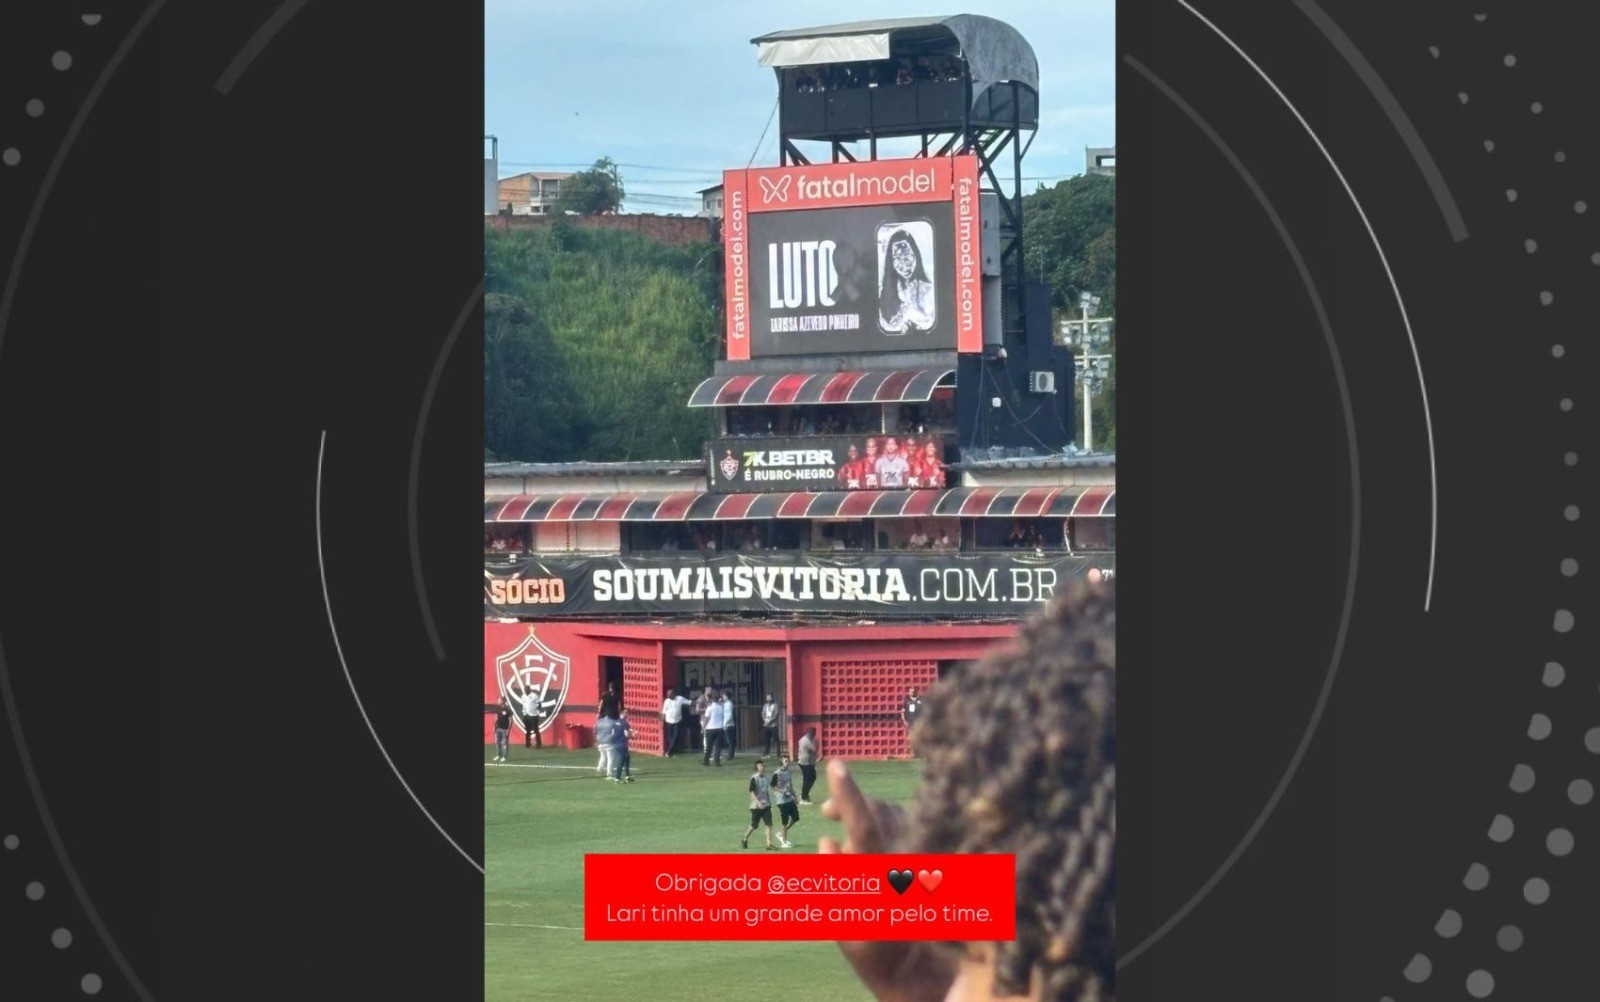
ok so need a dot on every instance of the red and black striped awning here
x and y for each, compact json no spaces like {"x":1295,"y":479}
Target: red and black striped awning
{"x":876,"y":387}
{"x":692,"y":506}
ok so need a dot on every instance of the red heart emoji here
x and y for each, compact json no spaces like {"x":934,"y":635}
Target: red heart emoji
{"x":930,"y":879}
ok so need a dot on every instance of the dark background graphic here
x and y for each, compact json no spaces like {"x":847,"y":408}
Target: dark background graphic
{"x":1314,"y":746}
{"x":237,"y":227}
{"x":240,"y":422}
{"x":855,"y":229}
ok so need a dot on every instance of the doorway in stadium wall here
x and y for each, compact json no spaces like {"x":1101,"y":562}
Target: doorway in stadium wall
{"x":747,"y":682}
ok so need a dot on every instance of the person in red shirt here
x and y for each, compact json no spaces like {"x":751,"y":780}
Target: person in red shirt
{"x":869,"y":466}
{"x":850,"y":472}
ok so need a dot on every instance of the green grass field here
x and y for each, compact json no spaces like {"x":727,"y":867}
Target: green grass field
{"x":539,"y":823}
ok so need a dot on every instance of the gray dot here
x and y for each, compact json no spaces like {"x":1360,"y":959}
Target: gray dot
{"x":1480,"y":984}
{"x":34,"y":108}
{"x":1522,"y":779}
{"x":1571,"y":512}
{"x":1418,"y":970}
{"x":61,"y":939}
{"x":1500,"y":828}
{"x":12,"y":842}
{"x":1509,"y":938}
{"x":1554,"y":673}
{"x":1477,"y":877}
{"x":1480,"y":18}
{"x":1449,"y":923}
{"x":1511,"y":194}
{"x":1536,"y":107}
{"x":1536,"y":890}
{"x":1462,"y":97}
{"x":1571,"y":459}
{"x":1546,"y":298}
{"x":1531,"y":245}
{"x":1488,"y":144}
{"x":1594,"y":258}
{"x":91,"y":984}
{"x":1511,"y":60}
{"x":61,"y":60}
{"x":12,"y":156}
{"x":1559,"y":842}
{"x":1558,"y":350}
{"x":1563,"y":624}
{"x":1433,"y":50}
{"x":1566,"y":403}
{"x":1591,"y":740}
{"x":1538,"y":727}
{"x":1580,"y":207}
{"x":1561,"y":157}
{"x":91,"y":19}
{"x":1580,"y":791}
{"x":1569,"y":568}
{"x":34,"y":891}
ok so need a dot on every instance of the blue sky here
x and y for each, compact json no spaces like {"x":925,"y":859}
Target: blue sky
{"x":674,"y":94}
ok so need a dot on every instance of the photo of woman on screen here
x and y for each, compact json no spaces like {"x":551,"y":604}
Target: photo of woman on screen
{"x":905,"y":300}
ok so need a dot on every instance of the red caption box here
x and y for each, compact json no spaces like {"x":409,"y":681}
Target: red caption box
{"x":636,"y":896}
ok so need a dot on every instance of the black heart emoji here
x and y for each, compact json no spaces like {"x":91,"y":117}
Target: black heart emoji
{"x":900,"y":880}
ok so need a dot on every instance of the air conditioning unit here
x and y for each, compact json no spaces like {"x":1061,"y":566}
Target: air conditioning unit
{"x":1041,"y":382}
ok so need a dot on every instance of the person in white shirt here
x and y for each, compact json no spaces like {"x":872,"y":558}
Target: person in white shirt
{"x":919,"y":539}
{"x":769,"y":724}
{"x":531,"y":714}
{"x":672,"y":716}
{"x":729,"y":716}
{"x":715,"y":721}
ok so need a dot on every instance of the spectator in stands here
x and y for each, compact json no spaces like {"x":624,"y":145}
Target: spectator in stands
{"x":943,"y":542}
{"x":1019,"y":535}
{"x":1020,"y":758}
{"x":752,"y":539}
{"x":903,"y":75}
{"x":498,"y":544}
{"x":919,"y":538}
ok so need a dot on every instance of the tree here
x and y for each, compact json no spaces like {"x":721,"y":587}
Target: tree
{"x":528,"y":415}
{"x":593,"y":192}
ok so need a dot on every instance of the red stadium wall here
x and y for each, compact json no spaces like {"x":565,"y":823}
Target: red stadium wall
{"x":845,"y":681}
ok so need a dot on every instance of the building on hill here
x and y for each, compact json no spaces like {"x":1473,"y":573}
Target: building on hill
{"x":530,"y":193}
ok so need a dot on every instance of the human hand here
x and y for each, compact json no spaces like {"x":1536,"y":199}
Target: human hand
{"x":892,"y":971}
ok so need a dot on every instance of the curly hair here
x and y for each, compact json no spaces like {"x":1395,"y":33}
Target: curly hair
{"x":1020,"y":755}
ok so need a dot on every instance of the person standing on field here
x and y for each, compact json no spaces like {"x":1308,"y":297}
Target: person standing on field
{"x":760,"y":788}
{"x":502,"y":730}
{"x":808,"y":764}
{"x":769,"y":724}
{"x":714,"y":725}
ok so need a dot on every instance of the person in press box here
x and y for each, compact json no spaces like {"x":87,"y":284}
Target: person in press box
{"x":905,"y":300}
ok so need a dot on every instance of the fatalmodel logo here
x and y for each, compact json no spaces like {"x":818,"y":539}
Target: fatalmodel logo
{"x":534,"y":668}
{"x":775,"y":191}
